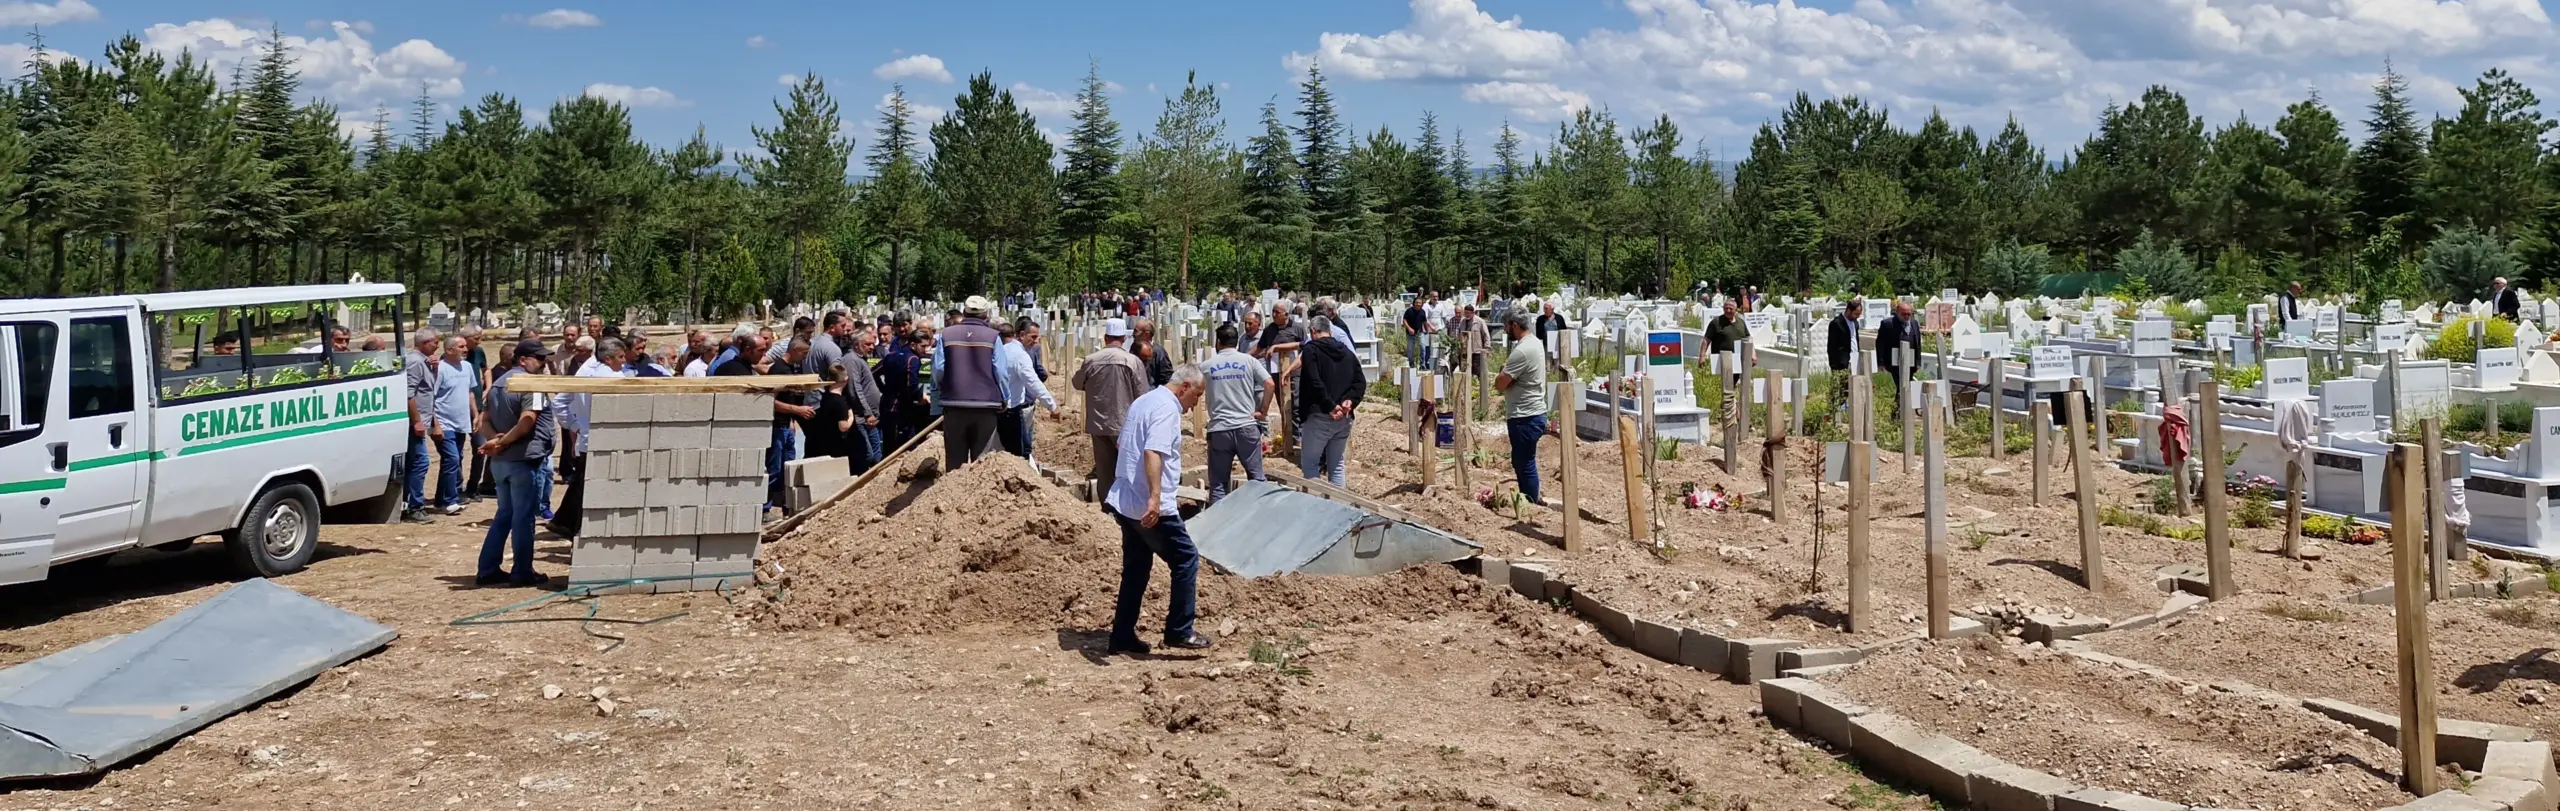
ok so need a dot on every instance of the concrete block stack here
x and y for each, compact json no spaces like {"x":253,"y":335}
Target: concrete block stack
{"x":675,"y":492}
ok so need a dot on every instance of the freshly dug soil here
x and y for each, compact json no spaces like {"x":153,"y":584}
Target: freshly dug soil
{"x":2491,"y":656}
{"x":2101,"y":726}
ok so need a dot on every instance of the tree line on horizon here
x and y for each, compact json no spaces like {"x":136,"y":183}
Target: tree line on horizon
{"x":145,"y":171}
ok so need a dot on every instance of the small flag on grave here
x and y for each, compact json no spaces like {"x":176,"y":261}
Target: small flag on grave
{"x":1663,"y":348}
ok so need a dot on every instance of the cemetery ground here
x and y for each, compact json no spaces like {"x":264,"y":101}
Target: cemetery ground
{"x":937,"y":643}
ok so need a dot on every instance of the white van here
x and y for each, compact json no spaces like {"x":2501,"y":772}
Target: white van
{"x":153,"y":420}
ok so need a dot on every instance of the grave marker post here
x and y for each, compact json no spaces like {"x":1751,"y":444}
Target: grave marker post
{"x":2405,"y":480}
{"x":2039,"y":416}
{"x":1934,"y":494}
{"x":1567,"y":456}
{"x":1902,"y":397}
{"x":2093,"y":561}
{"x":1773,"y":455}
{"x":2431,"y":505}
{"x":1999,"y":438}
{"x":2217,"y":532}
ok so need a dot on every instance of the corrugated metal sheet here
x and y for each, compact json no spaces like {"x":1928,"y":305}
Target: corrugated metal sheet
{"x":1265,"y":528}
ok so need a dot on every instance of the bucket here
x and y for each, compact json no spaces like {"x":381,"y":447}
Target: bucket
{"x":1448,"y":434}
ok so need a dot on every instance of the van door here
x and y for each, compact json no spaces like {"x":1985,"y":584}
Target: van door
{"x":34,"y":459}
{"x":110,"y":446}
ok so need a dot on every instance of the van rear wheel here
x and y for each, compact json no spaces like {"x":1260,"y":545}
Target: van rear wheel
{"x":279,"y":534}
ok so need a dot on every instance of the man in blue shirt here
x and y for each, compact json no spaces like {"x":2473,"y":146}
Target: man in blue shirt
{"x":1023,"y":386}
{"x":456,"y":412}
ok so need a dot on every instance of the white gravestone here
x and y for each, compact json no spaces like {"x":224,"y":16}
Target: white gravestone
{"x":2423,"y":390}
{"x":2348,"y":404}
{"x":2393,"y":311}
{"x":2546,"y":442}
{"x":2288,"y":378}
{"x":2391,"y":336}
{"x":2151,"y":338}
{"x":2498,"y":368}
{"x":2539,"y":368}
{"x":2326,"y":323}
{"x":2050,"y":362}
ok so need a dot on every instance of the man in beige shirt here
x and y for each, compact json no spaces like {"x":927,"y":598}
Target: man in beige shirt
{"x":1110,"y":378}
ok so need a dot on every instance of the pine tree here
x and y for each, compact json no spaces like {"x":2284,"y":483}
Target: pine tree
{"x":895,"y":205}
{"x":1506,"y":212}
{"x":1330,"y":200}
{"x":991,"y":167}
{"x":1089,"y":189}
{"x":2391,"y":164}
{"x":803,"y":174}
{"x":1274,"y":204}
{"x":589,"y":174}
{"x":1185,"y":164}
{"x":2484,"y":159}
{"x":1430,"y":196}
{"x":2315,"y":189}
{"x":1670,"y":194}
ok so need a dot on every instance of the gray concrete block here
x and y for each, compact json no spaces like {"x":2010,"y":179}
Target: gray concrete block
{"x":655,"y":464}
{"x":1605,"y":617}
{"x":685,"y":519}
{"x":735,"y":549}
{"x":1827,"y":713}
{"x":653,"y":521}
{"x":614,"y":464}
{"x":2182,"y":577}
{"x":2513,"y":794}
{"x":618,"y":437}
{"x":2448,"y":800}
{"x":1800,"y":658}
{"x":1750,"y":660}
{"x":615,"y":492}
{"x":1936,"y":763}
{"x":742,"y":518}
{"x":1961,"y":627}
{"x":1495,"y":572}
{"x":741,"y":406}
{"x":673,"y":492}
{"x":1813,"y":672}
{"x":662,"y":550}
{"x":683,"y":463}
{"x":1704,"y":651}
{"x":680,"y":435}
{"x":2179,"y":603}
{"x":748,"y":460}
{"x":2137,"y":621}
{"x":1782,"y":700}
{"x":741,"y":434}
{"x":1657,"y":640}
{"x":2467,"y":742}
{"x":601,"y":551}
{"x":677,"y":408}
{"x":601,"y":580}
{"x":621,"y":407}
{"x":2049,"y":628}
{"x":2529,"y":761}
{"x":735,"y":491}
{"x":666,"y":578}
{"x":1559,"y":589}
{"x":2098,"y":799}
{"x":2372,"y":721}
{"x":2011,"y":787}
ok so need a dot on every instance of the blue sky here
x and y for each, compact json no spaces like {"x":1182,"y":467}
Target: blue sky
{"x":1719,"y":67}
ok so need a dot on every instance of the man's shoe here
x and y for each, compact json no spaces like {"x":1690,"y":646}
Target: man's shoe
{"x":532,"y":579}
{"x":485,"y":580}
{"x":1131,"y":647}
{"x":1192,"y":642}
{"x":453,"y":509}
{"x":416,"y":517}
{"x":546,"y":512}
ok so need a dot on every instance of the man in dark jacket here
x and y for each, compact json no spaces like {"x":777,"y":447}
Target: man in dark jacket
{"x":1159,"y":365}
{"x":1726,"y":332}
{"x":1898,"y":331}
{"x":1330,"y":386}
{"x":967,"y":385}
{"x":1844,"y":336}
{"x":1549,"y":324}
{"x":2510,"y":307}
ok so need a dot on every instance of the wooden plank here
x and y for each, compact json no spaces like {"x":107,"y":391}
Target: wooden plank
{"x":1862,"y":456}
{"x":1933,"y":489}
{"x":2405,"y":480}
{"x":2431,"y":505}
{"x":1902,"y":404}
{"x":2093,"y":561}
{"x":2217,"y":512}
{"x":1567,"y":456}
{"x":1773,"y":458}
{"x":1462,"y":393}
{"x":2293,"y":499}
{"x":570,"y":384}
{"x":2040,"y":481}
{"x":1999,"y":398}
{"x":890,"y":462}
{"x":1639,"y":526}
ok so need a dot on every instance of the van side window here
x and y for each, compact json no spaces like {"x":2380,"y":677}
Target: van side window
{"x":101,"y":367}
{"x":34,"y":370}
{"x":202,"y":353}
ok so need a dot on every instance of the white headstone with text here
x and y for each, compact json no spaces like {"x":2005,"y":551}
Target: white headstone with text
{"x":2347,"y":402}
{"x":2288,"y":378}
{"x":2151,"y":338}
{"x":2050,"y":362}
{"x":2498,"y":368}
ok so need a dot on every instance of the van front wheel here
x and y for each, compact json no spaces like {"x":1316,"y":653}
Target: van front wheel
{"x":279,"y":534}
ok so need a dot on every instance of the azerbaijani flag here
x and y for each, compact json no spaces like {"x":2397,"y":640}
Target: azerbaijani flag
{"x":1662,"y":348}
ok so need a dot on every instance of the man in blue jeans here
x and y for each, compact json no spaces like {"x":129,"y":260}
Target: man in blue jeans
{"x":1150,"y":469}
{"x":455,"y":378}
{"x":418,"y":365}
{"x":1524,"y":401}
{"x":523,"y":434}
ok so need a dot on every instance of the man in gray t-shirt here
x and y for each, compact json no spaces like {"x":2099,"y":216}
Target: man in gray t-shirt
{"x":1524,"y":400}
{"x":1239,"y":395}
{"x":523,"y":430}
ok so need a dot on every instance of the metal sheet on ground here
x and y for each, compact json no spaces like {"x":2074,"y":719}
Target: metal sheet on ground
{"x":1263,"y":529}
{"x":90,"y":707}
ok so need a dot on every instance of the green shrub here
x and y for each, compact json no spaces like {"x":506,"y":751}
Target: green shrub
{"x":2239,"y":378}
{"x":2454,"y":342}
{"x":2255,"y":513}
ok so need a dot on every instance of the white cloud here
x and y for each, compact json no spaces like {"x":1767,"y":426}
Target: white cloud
{"x":921,"y":115}
{"x":1046,"y":105}
{"x":758,"y":43}
{"x":14,"y":57}
{"x":635,"y":97}
{"x":345,"y":68}
{"x":2053,"y":63}
{"x":20,"y":13}
{"x":924,"y":67}
{"x":789,"y":80}
{"x":564,"y":18}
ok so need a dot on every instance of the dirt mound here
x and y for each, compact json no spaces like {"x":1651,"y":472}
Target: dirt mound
{"x":994,"y":543}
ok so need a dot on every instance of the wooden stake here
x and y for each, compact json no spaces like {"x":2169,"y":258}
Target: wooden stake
{"x":1639,"y":527}
{"x":2098,"y":405}
{"x":2405,"y":480}
{"x":2293,"y":499}
{"x":1647,"y":434}
{"x":1934,"y":493}
{"x":1427,"y":451}
{"x":1862,"y":455}
{"x":1567,"y":461}
{"x":1999,"y":403}
{"x":1902,"y":397}
{"x":2040,"y":480}
{"x":1731,"y":412}
{"x":2431,"y":503}
{"x":2217,"y":515}
{"x":1773,"y":461}
{"x":1466,"y":433}
{"x":2093,"y":562}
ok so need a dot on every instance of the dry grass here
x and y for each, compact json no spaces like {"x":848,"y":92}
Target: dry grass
{"x":2526,"y":615}
{"x":2303,"y":612}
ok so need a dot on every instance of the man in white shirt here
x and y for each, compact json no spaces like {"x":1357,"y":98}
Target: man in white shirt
{"x":607,"y":362}
{"x":1150,"y":470}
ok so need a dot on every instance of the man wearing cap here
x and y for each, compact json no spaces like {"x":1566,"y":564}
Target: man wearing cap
{"x":968,"y":386}
{"x":522,"y":433}
{"x":1111,"y":379}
